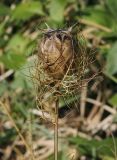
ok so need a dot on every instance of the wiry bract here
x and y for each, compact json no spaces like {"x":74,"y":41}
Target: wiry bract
{"x":61,"y":67}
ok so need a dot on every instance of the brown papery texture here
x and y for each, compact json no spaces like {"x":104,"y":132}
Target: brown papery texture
{"x":56,"y":52}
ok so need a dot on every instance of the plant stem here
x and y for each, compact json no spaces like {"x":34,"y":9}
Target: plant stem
{"x":56,"y":131}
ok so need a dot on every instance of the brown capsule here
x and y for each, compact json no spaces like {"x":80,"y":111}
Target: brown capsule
{"x":56,"y":52}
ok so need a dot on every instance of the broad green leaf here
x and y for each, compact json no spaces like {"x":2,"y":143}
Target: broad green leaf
{"x":18,"y":44}
{"x":4,"y":10}
{"x":26,"y":10}
{"x":57,"y":10}
{"x":111,"y":66}
{"x":13,"y":61}
{"x":113,"y":100}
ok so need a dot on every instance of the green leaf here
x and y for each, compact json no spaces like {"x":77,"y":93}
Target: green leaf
{"x":18,"y":44}
{"x":114,"y":79}
{"x":57,"y":10}
{"x":23,"y":77}
{"x":111,"y":66}
{"x":100,"y":16}
{"x":4,"y":10}
{"x":2,"y":28}
{"x":113,"y":100}
{"x":102,"y":148}
{"x":3,"y":87}
{"x":112,"y":7}
{"x":26,"y":10}
{"x":13,"y":61}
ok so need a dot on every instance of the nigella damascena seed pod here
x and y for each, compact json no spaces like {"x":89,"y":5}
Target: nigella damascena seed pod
{"x":62,"y":67}
{"x":56,"y":52}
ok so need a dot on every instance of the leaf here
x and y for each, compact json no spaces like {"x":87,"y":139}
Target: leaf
{"x":26,"y":10}
{"x":13,"y":61}
{"x":112,"y":7}
{"x":4,"y":10}
{"x":57,"y":10}
{"x":111,"y":66}
{"x":114,"y":79}
{"x":2,"y":28}
{"x":113,"y":100}
{"x":3,"y":87}
{"x":23,"y":77}
{"x":17,"y":44}
{"x":102,"y":148}
{"x":100,"y":16}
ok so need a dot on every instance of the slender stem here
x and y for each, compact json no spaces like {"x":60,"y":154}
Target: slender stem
{"x":56,"y":131}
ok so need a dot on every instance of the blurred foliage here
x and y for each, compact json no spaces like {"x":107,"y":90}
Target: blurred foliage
{"x":20,"y":25}
{"x":94,"y":148}
{"x":113,"y":100}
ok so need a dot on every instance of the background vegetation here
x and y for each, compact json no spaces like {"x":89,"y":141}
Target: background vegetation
{"x":90,"y":132}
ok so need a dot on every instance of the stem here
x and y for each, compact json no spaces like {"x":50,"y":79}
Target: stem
{"x":56,"y":131}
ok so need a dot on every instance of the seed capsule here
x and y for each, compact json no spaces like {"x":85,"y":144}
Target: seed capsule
{"x":61,"y":68}
{"x":56,"y":52}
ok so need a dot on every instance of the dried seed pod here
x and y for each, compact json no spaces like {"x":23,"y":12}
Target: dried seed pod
{"x":62,"y":63}
{"x":56,"y":52}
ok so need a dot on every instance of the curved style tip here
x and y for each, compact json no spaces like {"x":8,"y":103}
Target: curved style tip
{"x":71,"y":28}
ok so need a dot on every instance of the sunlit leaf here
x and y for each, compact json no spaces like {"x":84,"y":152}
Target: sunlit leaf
{"x":13,"y":61}
{"x":26,"y":10}
{"x":57,"y":10}
{"x":18,"y":44}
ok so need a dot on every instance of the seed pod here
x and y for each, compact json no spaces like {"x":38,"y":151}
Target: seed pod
{"x":56,"y":52}
{"x":61,"y":68}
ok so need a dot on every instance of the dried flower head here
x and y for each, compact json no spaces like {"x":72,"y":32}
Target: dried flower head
{"x":56,"y":52}
{"x":61,"y":66}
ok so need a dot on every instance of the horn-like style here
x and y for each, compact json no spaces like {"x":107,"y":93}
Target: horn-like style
{"x":71,"y":28}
